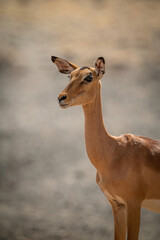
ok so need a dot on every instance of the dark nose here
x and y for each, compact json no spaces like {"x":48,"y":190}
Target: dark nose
{"x":60,"y":98}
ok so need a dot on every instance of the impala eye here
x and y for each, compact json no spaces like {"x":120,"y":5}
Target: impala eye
{"x":89,"y":78}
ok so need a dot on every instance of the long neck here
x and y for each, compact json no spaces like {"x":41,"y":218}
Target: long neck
{"x":99,"y":143}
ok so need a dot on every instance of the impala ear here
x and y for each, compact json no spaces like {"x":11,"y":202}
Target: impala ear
{"x":63,"y":65}
{"x":100,"y":66}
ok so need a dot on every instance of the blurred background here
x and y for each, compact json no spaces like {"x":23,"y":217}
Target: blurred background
{"x":47,"y":183}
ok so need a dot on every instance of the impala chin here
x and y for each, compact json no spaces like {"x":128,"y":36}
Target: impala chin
{"x":64,"y":105}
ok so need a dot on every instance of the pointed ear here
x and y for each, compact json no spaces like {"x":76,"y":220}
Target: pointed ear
{"x":100,"y":66}
{"x":63,"y":65}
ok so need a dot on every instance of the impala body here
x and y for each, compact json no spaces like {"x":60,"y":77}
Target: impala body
{"x":128,"y":166}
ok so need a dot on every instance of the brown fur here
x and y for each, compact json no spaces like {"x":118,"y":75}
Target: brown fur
{"x":128,"y":167}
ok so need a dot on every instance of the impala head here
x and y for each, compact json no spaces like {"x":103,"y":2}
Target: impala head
{"x":83,"y":84}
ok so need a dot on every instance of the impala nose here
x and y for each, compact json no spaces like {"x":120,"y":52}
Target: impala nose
{"x":61,"y":98}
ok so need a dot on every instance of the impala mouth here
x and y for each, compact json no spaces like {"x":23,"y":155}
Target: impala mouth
{"x":63,"y":105}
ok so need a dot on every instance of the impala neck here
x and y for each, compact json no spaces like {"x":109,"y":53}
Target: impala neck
{"x":99,"y":143}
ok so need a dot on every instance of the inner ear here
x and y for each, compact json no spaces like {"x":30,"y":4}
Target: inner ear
{"x":100,"y":66}
{"x":63,"y":65}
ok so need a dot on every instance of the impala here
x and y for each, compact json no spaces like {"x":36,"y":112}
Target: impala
{"x":128,"y":166}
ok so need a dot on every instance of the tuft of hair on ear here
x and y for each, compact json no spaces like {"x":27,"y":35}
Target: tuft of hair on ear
{"x":53,"y":58}
{"x":102,"y":59}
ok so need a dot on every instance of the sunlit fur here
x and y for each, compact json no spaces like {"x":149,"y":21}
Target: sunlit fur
{"x":128,"y":166}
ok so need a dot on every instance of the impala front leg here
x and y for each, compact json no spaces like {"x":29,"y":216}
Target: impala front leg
{"x":133,"y":220}
{"x":120,"y":225}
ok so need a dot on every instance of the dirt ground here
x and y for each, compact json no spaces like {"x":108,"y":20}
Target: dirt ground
{"x":47,"y":184}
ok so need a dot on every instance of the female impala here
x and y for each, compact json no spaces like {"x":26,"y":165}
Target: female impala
{"x":128,"y":167}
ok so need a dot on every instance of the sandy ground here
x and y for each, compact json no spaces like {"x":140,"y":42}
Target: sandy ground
{"x":47,"y":184}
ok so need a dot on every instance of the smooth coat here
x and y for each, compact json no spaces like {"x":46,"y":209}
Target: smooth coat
{"x":128,"y":166}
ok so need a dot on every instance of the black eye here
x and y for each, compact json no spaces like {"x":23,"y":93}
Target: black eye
{"x":89,"y":78}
